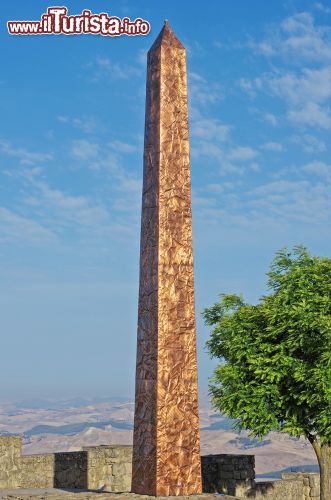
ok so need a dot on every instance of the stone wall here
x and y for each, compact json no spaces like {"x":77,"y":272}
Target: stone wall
{"x":109,"y":468}
{"x":95,"y":467}
{"x":10,"y":456}
{"x":292,"y":486}
{"x":291,"y":489}
{"x":36,"y":471}
{"x":235,"y":474}
{"x":229,"y":474}
{"x":70,"y":470}
{"x":310,"y":480}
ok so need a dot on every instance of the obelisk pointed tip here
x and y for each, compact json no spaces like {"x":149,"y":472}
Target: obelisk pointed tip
{"x":167,"y":37}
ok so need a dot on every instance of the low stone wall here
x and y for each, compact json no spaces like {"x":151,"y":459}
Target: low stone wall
{"x":36,"y":471}
{"x":10,"y":456}
{"x":70,"y":470}
{"x":292,"y":486}
{"x":235,"y":475}
{"x":310,"y":480}
{"x":229,"y":474}
{"x":95,"y":467}
{"x":291,"y":489}
{"x":109,"y":468}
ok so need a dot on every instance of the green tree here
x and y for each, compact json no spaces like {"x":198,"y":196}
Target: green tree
{"x":275,"y":370}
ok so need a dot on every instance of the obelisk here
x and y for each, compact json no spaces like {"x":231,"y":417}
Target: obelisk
{"x":166,"y":442}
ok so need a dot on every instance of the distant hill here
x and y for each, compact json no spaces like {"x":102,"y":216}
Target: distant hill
{"x":75,"y":428}
{"x":68,"y":425}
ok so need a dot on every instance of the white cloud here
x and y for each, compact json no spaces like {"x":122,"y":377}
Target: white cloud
{"x":247,"y":86}
{"x":15,"y":227}
{"x":224,"y":153}
{"x":85,"y":124}
{"x":201,"y":91}
{"x":218,"y":44}
{"x":305,"y":87}
{"x":86,"y":217}
{"x":254,"y":166}
{"x":272,"y":146}
{"x":301,"y":195}
{"x":309,"y":143}
{"x":103,"y":67}
{"x":212,"y":151}
{"x":224,"y":186}
{"x":323,"y":8}
{"x":194,"y":48}
{"x":109,"y":161}
{"x":297,"y":37}
{"x":25,"y":157}
{"x":307,"y":94}
{"x":270,"y":118}
{"x":72,"y":209}
{"x":293,"y":201}
{"x":210,"y":138}
{"x":83,"y":149}
{"x":210,"y":129}
{"x":142,"y":57}
{"x":123,"y":147}
{"x":312,"y":85}
{"x":51,"y":213}
{"x":202,"y":201}
{"x":311,"y":114}
{"x":266,"y":48}
{"x":208,"y":149}
{"x":130,"y":185}
{"x":80,"y":215}
{"x":319,"y":168}
{"x":242,"y":153}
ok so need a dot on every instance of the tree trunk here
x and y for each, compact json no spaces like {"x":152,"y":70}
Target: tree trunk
{"x":323,"y":453}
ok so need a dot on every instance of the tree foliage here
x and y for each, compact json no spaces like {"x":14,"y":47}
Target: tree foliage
{"x":275,"y":370}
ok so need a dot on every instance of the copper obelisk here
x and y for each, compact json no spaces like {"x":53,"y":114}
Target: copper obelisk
{"x":166,"y":443}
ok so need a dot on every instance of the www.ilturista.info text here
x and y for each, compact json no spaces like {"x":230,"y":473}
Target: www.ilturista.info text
{"x":56,"y":22}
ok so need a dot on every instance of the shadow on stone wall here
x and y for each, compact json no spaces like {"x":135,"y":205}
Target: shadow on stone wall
{"x":71,"y":470}
{"x":262,"y":489}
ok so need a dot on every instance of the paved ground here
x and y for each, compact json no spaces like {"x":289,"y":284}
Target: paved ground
{"x":53,"y":494}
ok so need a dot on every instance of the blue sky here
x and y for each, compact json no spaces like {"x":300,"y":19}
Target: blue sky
{"x":71,"y":141}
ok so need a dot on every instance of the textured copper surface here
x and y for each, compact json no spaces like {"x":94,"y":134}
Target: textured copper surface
{"x":166,"y":448}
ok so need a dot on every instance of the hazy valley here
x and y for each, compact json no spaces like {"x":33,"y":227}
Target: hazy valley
{"x":48,"y":426}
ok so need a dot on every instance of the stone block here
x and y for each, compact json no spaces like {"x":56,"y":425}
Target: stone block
{"x":226,"y":474}
{"x":306,"y":489}
{"x":315,"y":491}
{"x":314,"y":479}
{"x":227,"y":467}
